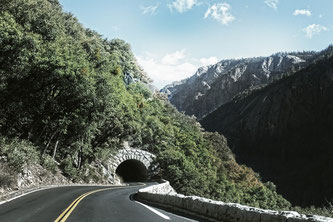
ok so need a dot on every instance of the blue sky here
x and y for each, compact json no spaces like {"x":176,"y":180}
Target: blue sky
{"x":172,"y":38}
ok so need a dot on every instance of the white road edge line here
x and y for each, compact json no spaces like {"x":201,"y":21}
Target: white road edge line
{"x":24,"y":194}
{"x":51,"y":187}
{"x":155,"y":211}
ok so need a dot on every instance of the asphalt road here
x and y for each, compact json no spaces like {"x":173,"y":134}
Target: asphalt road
{"x":84,"y":204}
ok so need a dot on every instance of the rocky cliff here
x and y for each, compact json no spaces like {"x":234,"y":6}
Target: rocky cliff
{"x":284,"y":131}
{"x":213,"y":86}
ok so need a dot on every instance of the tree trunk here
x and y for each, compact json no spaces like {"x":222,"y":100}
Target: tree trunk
{"x":55,"y":149}
{"x":49,"y":142}
{"x":79,"y":158}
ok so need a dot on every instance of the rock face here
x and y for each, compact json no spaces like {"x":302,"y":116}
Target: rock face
{"x":212,"y":86}
{"x":32,"y":177}
{"x":284,"y":132}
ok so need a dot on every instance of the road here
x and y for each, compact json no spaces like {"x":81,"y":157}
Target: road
{"x":84,"y":204}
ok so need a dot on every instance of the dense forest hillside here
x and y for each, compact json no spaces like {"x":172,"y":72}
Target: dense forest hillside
{"x":66,"y":102}
{"x":284,"y":131}
{"x":212,"y":86}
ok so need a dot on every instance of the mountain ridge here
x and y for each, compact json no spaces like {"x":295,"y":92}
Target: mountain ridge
{"x":212,"y":86}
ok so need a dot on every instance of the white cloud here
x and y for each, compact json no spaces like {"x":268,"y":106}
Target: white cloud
{"x":182,"y":5}
{"x":220,"y":12}
{"x":314,"y":29}
{"x":171,"y":67}
{"x":208,"y":61}
{"x":174,"y":58}
{"x":151,"y":10}
{"x":272,"y":3}
{"x":302,"y":12}
{"x":163,"y":73}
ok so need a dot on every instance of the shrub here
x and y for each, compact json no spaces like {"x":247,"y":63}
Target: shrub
{"x":18,"y":153}
{"x":49,"y":164}
{"x":326,"y":211}
{"x":69,"y":169}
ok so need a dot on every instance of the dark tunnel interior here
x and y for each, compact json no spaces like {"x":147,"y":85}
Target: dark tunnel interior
{"x":132,"y":171}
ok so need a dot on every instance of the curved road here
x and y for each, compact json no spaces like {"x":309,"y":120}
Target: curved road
{"x":84,"y":204}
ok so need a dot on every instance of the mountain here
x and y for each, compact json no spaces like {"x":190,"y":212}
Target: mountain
{"x":284,"y":132}
{"x":215,"y":85}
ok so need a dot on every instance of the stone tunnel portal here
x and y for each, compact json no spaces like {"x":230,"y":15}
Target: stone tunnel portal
{"x":132,"y":171}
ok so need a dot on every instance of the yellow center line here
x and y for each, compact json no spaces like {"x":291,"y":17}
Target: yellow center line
{"x":67,"y":212}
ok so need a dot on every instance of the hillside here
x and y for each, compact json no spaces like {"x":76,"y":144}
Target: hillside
{"x":68,"y":102}
{"x":284,"y":131}
{"x":212,"y":86}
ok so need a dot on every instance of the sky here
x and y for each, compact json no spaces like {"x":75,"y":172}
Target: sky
{"x":171,"y":39}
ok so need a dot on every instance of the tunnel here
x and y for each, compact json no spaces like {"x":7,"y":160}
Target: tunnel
{"x":132,"y":171}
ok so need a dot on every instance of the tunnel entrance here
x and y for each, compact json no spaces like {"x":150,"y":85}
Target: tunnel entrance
{"x":132,"y":171}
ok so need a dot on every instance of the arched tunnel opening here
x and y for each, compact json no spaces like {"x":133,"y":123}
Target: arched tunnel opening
{"x":132,"y":171}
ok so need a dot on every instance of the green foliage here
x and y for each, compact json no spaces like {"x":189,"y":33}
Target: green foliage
{"x":200,"y":163}
{"x":122,"y":54}
{"x":326,"y":211}
{"x":49,"y":164}
{"x":91,"y":175}
{"x":140,"y":89}
{"x":58,"y":88}
{"x":18,"y":153}
{"x":69,"y":169}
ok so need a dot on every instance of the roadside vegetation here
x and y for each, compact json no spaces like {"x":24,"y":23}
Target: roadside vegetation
{"x":326,"y":211}
{"x":65,"y":103}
